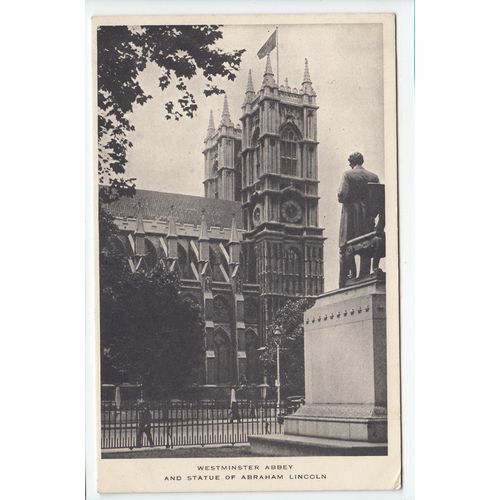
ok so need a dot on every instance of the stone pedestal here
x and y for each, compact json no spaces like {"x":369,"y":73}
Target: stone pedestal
{"x":345,"y":375}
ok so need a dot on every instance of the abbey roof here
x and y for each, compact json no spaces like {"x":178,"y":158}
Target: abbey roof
{"x":185,"y":209}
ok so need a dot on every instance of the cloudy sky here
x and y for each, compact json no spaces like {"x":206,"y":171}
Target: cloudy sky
{"x":346,"y":68}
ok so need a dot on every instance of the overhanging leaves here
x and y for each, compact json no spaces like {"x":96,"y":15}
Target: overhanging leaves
{"x":124,"y":52}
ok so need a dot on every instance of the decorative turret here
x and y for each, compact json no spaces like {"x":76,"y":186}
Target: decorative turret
{"x":234,"y":244}
{"x":268,"y":74}
{"x":250,"y":92}
{"x":203,"y":239}
{"x":139,"y":233}
{"x":306,"y":83}
{"x":211,"y":126}
{"x":172,"y":236}
{"x":221,"y":151}
{"x":226,"y":117}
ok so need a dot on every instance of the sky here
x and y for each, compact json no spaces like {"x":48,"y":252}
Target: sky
{"x":346,"y":68}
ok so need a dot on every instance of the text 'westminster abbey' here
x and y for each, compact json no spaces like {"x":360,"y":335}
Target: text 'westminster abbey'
{"x":253,"y":241}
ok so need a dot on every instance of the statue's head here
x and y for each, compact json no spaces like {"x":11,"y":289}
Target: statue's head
{"x":355,"y":159}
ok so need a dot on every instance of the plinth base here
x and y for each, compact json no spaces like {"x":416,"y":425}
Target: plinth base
{"x":356,"y":422}
{"x":297,"y":446}
{"x":345,"y":363}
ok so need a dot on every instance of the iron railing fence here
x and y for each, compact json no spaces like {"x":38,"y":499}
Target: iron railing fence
{"x":186,"y":423}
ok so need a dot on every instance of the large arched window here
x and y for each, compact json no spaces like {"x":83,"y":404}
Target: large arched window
{"x":293,"y":271}
{"x":310,"y":162}
{"x":222,"y":353}
{"x":254,"y":157}
{"x":288,"y":152}
{"x":251,"y":310}
{"x":237,"y":180}
{"x":186,"y":259}
{"x":218,"y":262}
{"x":148,"y":260}
{"x":251,"y":262}
{"x":151,"y":258}
{"x":221,"y":310}
{"x":251,"y":355}
{"x":182,"y":259}
{"x":249,"y":168}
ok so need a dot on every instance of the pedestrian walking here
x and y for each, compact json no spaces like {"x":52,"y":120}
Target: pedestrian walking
{"x":235,"y":414}
{"x":144,"y":420}
{"x":168,"y":428}
{"x":252,"y":413}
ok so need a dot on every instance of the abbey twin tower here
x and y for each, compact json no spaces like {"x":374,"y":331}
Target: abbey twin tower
{"x":253,"y":241}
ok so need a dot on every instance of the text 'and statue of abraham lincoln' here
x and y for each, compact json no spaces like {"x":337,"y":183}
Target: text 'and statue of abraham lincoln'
{"x":362,"y":221}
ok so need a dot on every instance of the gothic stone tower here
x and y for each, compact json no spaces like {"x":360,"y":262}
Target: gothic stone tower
{"x":283,"y":245}
{"x":222,"y":158}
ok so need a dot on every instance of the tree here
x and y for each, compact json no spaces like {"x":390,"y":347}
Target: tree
{"x":289,"y":320}
{"x":123,"y":52}
{"x":150,"y":334}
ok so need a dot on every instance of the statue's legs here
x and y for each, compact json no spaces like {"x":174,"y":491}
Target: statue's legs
{"x":347,"y":266}
{"x":365,"y":265}
{"x":378,"y":251}
{"x":351,"y":265}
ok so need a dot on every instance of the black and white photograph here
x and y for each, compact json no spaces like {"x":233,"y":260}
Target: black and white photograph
{"x":246,"y":194}
{"x":235,"y":236}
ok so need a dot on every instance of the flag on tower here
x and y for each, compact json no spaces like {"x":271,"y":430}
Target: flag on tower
{"x":268,"y":46}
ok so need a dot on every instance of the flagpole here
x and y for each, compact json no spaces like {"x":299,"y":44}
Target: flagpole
{"x":277,"y":57}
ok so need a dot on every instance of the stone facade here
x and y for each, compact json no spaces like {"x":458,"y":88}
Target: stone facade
{"x":253,"y":241}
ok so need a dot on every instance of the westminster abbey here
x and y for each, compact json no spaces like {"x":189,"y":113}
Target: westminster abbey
{"x":253,"y":241}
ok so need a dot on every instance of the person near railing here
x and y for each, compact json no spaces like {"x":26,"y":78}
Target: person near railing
{"x":235,"y":413}
{"x":167,"y":427}
{"x":144,"y":420}
{"x":251,"y":410}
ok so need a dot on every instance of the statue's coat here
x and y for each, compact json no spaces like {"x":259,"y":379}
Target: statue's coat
{"x":353,"y":194}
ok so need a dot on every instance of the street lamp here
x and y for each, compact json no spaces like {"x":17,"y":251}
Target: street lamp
{"x":277,"y":339}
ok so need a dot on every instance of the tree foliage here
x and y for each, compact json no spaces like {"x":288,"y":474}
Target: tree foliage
{"x":181,"y":52}
{"x":150,"y":334}
{"x":289,"y":320}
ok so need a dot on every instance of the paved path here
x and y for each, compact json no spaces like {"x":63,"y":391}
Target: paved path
{"x":242,"y":450}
